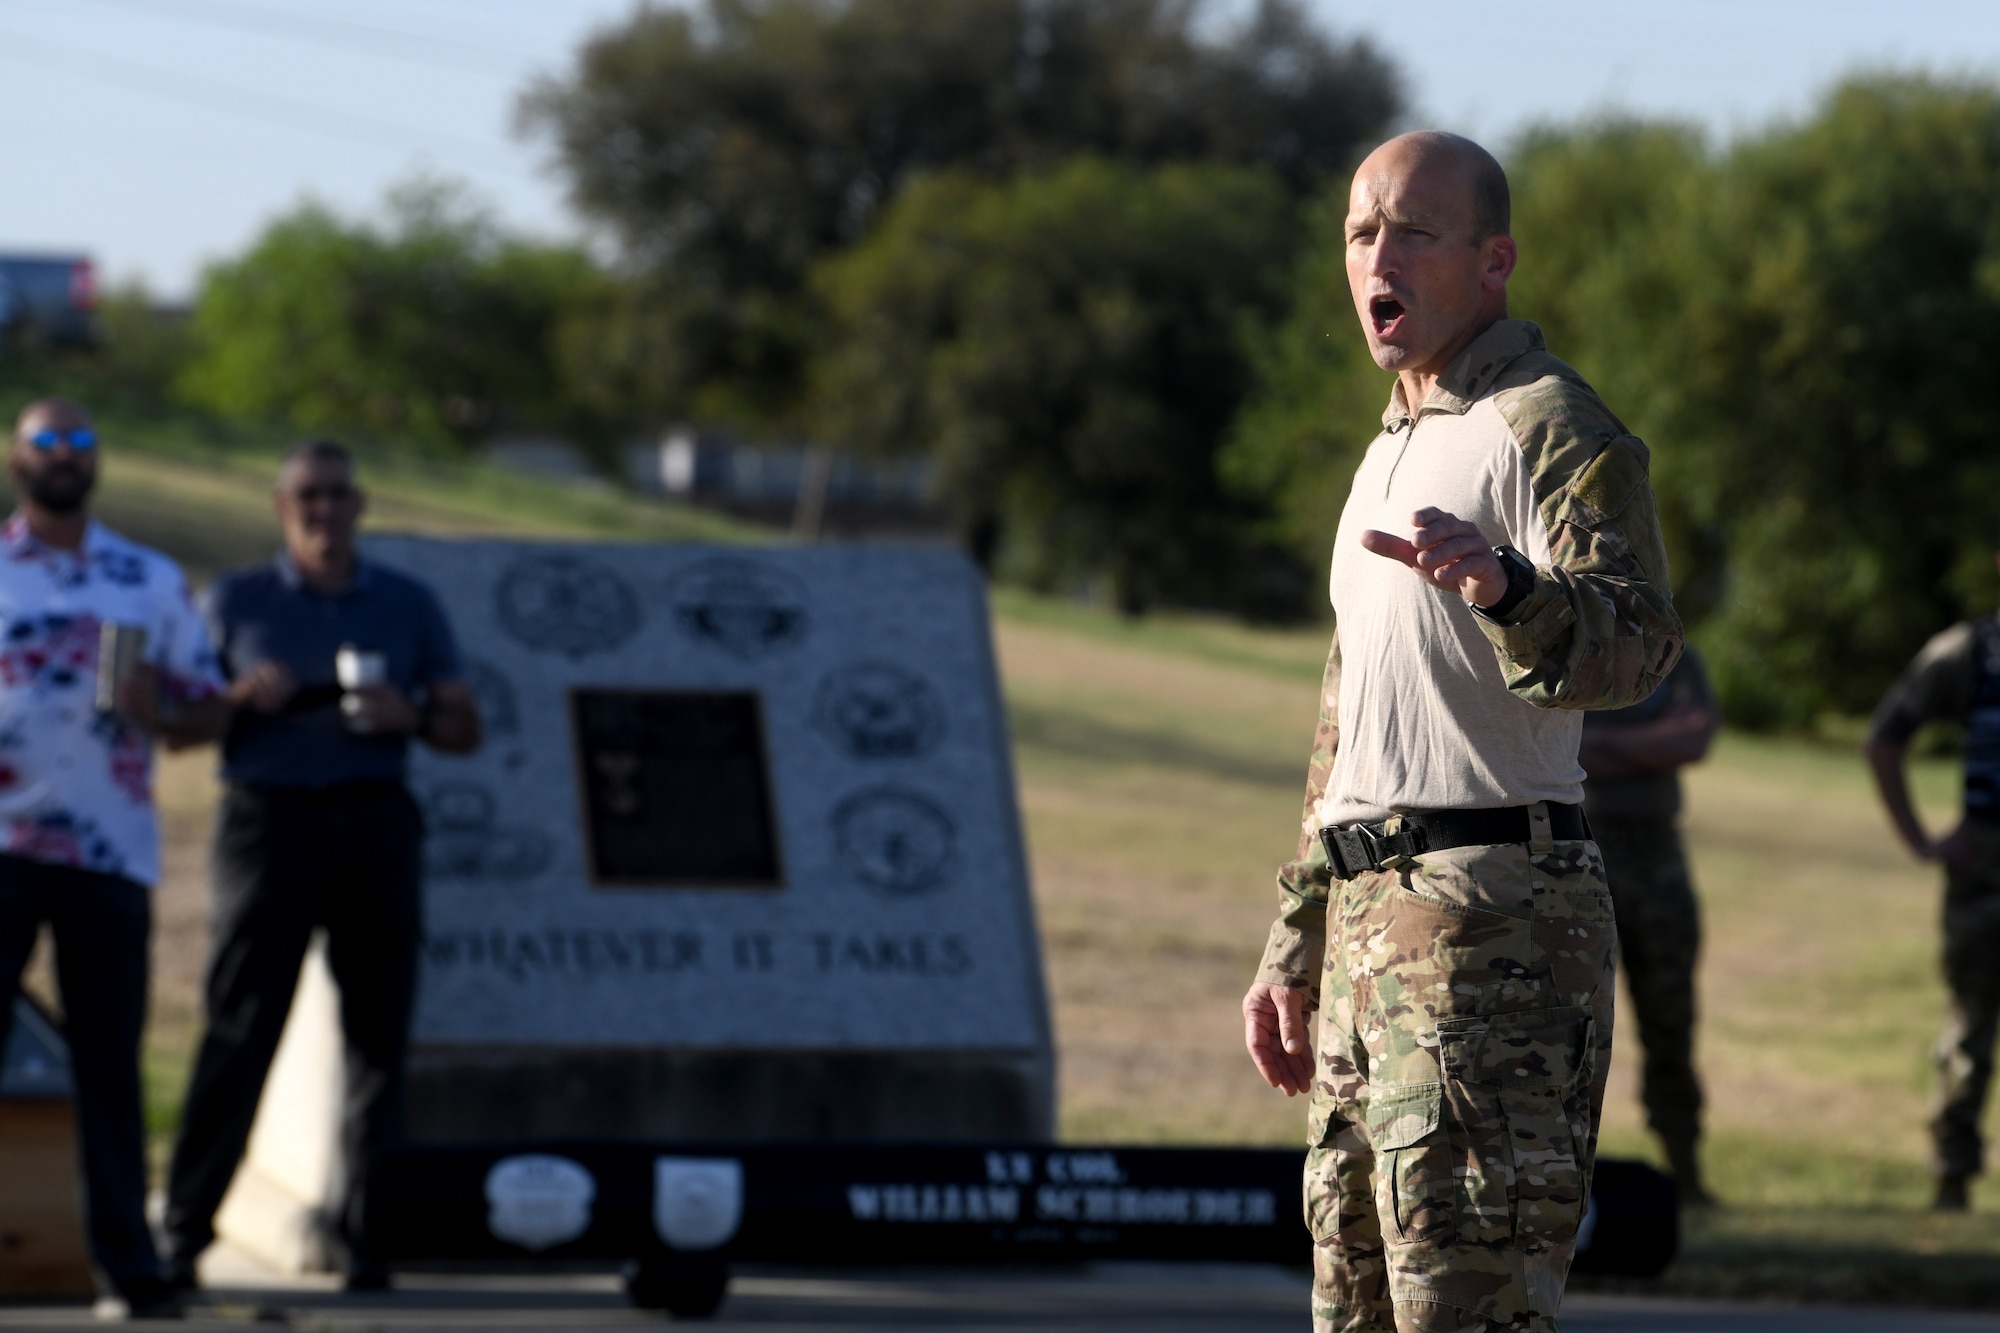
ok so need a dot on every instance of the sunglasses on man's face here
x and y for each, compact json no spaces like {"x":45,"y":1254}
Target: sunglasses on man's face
{"x":337,"y":493}
{"x":80,"y":439}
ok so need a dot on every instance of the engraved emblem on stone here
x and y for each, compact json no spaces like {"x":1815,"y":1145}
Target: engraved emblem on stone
{"x":697,"y":1201}
{"x":566,"y":604}
{"x":747,"y":608}
{"x":461,"y":842}
{"x":873,"y":710}
{"x":895,"y":840}
{"x":538,"y":1201}
{"x":499,"y":708}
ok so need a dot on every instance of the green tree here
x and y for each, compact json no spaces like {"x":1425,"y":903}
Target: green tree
{"x":1608,"y":215}
{"x":1317,"y":401}
{"x":1068,"y":348}
{"x":436,"y":327}
{"x":731,"y":145}
{"x":1826,"y":380}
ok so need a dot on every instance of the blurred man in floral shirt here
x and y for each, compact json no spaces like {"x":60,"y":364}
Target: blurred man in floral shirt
{"x":79,"y":838}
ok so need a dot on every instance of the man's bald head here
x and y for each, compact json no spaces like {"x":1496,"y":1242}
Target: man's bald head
{"x":1479,"y":171}
{"x":47,"y":413}
{"x":1428,"y":254}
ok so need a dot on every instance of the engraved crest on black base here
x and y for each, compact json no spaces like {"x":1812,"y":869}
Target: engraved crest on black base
{"x":461,"y":842}
{"x":873,"y":710}
{"x":745,"y":607}
{"x":566,"y":604}
{"x":895,"y":840}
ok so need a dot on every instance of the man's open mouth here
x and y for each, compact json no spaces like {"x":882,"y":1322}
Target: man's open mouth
{"x":1384,"y":311}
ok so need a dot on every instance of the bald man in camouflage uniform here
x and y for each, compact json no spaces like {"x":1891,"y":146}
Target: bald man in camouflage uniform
{"x":1956,"y":678}
{"x":1497,"y":567}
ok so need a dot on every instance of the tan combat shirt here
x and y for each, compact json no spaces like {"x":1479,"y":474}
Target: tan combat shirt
{"x":1427,"y":706}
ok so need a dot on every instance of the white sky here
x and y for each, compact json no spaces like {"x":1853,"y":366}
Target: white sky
{"x":157,"y":134}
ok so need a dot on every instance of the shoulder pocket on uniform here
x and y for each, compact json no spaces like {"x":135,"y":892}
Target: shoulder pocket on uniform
{"x":1605,"y":485}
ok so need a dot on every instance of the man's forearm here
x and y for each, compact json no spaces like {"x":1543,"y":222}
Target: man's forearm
{"x":451,"y":726}
{"x":1295,"y":952}
{"x":1296,"y":949}
{"x":1584,"y":640}
{"x":1672,"y":742}
{"x":1886,"y":759}
{"x":202,"y":722}
{"x":1604,"y":757}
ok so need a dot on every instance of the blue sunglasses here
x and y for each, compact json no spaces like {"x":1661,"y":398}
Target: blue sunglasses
{"x":78,"y":439}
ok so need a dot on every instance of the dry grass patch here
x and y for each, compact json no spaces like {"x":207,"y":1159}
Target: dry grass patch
{"x":1160,"y":777}
{"x":1160,"y":770}
{"x":1160,"y":790}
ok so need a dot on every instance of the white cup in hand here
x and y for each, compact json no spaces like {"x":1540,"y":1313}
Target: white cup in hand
{"x":355,"y":669}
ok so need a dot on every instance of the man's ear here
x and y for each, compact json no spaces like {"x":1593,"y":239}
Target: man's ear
{"x":1499,"y":257}
{"x":360,"y":503}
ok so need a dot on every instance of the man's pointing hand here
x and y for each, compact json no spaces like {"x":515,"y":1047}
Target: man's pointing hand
{"x":1446,"y":551}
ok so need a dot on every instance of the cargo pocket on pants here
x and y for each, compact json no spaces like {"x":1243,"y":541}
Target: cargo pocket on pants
{"x":1340,"y":1212}
{"x":1518,"y":1092}
{"x":1413,"y":1162}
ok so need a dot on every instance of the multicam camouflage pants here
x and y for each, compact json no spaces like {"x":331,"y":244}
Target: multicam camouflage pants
{"x":1659,"y":941}
{"x":1972,"y":974}
{"x":1463,"y":1040}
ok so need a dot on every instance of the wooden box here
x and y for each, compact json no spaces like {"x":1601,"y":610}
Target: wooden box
{"x":41,"y":1217}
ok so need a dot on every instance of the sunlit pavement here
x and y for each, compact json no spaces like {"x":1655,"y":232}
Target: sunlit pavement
{"x":1167,"y":1298}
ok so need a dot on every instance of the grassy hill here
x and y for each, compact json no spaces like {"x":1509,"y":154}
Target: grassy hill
{"x":201,"y":490}
{"x":1160,"y":765}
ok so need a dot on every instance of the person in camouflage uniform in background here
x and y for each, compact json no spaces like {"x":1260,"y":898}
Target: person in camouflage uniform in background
{"x":1956,"y":678}
{"x":1497,"y":567}
{"x":1634,"y":756}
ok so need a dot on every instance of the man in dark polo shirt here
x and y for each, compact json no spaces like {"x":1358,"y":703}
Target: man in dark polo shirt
{"x":1632,"y":798}
{"x":1956,"y":678}
{"x":316,"y":830}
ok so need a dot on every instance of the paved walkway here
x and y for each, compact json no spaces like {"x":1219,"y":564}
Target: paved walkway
{"x":1121,"y":1298}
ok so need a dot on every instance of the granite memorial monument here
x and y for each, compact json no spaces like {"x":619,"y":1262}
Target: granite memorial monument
{"x":739,"y":860}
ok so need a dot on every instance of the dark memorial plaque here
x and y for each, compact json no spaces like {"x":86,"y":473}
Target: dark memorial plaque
{"x":676,"y":788}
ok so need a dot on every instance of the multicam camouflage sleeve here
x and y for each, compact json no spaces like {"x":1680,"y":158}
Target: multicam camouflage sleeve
{"x":1599,"y":630}
{"x":1293,"y":955}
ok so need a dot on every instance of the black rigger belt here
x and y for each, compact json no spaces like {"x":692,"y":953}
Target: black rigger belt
{"x":1354,"y":849}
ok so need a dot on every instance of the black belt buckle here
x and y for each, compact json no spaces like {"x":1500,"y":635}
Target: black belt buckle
{"x":1350,"y":851}
{"x":1359,"y":848}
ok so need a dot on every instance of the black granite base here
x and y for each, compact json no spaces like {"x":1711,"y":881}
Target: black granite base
{"x":473,"y":1095}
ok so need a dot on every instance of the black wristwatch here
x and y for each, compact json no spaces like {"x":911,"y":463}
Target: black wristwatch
{"x":1520,"y":582}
